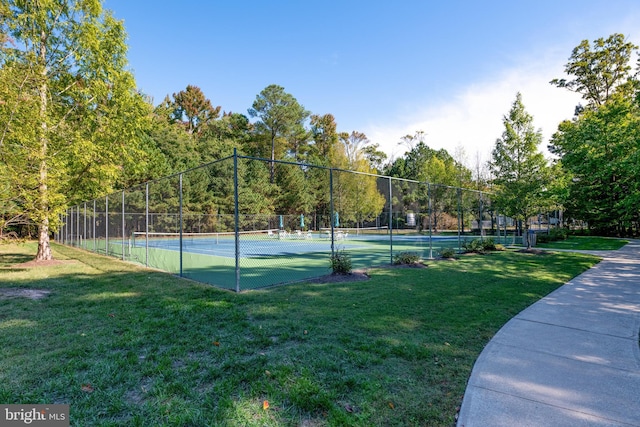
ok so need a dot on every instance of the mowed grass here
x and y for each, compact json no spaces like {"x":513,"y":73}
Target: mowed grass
{"x":127,"y":346}
{"x":584,"y":243}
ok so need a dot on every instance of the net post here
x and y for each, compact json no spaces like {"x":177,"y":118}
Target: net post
{"x":180,"y":219}
{"x":236,"y":217}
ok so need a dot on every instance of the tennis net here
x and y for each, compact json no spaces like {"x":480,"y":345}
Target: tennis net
{"x":170,"y":240}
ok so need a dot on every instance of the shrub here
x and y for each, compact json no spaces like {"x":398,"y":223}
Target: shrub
{"x":448,"y":253}
{"x":341,"y":262}
{"x":480,"y":246}
{"x":406,"y":258}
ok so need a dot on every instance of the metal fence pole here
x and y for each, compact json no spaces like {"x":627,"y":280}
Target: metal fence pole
{"x":85,"y":226}
{"x":180,"y":225}
{"x":123,"y":225}
{"x":236,"y":217}
{"x":95,"y":247}
{"x":146,"y":226}
{"x":390,"y":221}
{"x":78,"y":239}
{"x":106,"y":225}
{"x":459,"y":191}
{"x":430,"y":231}
{"x":331,"y":214}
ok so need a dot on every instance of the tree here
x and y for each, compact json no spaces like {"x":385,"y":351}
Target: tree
{"x":520,"y":171}
{"x":600,"y":151}
{"x":599,"y":71}
{"x":78,"y":119}
{"x":279,"y":113}
{"x":193,"y":109}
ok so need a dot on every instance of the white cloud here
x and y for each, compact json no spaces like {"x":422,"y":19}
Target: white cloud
{"x":472,"y":118}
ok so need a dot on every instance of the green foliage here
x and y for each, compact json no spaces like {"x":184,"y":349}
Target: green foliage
{"x":521,"y":172}
{"x":448,"y":253}
{"x":554,"y":235}
{"x":341,"y":262}
{"x":598,"y":149}
{"x":599,"y":71}
{"x":72,"y":119}
{"x":481,"y":246}
{"x":405,"y":258}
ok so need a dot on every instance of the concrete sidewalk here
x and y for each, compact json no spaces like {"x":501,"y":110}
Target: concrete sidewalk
{"x":571,"y":359}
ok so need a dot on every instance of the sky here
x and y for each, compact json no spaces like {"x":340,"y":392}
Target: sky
{"x":450,"y":69}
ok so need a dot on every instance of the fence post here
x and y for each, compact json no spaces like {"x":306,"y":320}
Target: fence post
{"x":85,"y":226}
{"x":180,"y":222}
{"x":95,"y":247}
{"x":146,"y":225}
{"x":236,"y":217}
{"x":480,"y":209}
{"x":78,"y":239}
{"x":390,"y":221}
{"x":123,"y":225}
{"x":331,"y":211}
{"x":430,"y":231}
{"x":106,"y":225}
{"x":459,"y":191}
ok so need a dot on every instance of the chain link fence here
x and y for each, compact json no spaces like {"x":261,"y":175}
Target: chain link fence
{"x":233,"y":224}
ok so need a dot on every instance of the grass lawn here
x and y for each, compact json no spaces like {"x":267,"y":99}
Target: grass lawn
{"x":586,"y":243}
{"x":127,"y":346}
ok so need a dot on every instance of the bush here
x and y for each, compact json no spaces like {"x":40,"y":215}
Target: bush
{"x":406,"y":258}
{"x":448,"y":253}
{"x":481,"y":246}
{"x":554,"y":235}
{"x":341,"y":262}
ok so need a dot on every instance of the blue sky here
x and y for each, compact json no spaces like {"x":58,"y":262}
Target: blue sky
{"x":388,"y":69}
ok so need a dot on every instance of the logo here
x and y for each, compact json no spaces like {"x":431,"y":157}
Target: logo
{"x":34,"y":415}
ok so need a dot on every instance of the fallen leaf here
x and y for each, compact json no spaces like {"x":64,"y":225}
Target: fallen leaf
{"x":87,"y":388}
{"x":391,"y":405}
{"x":267,"y":373}
{"x":348,"y":407}
{"x":306,"y":332}
{"x":265,"y":405}
{"x":216,"y":343}
{"x":112,"y":315}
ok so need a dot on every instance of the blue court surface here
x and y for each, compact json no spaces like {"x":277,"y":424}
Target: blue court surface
{"x":263,"y":245}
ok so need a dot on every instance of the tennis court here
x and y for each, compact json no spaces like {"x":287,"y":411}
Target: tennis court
{"x":184,"y":223}
{"x":271,"y":256}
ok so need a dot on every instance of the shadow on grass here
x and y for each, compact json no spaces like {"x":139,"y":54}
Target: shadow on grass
{"x":9,"y":259}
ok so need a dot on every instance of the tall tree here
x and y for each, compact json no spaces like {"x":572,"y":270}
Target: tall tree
{"x":194,"y":109}
{"x":600,"y":151}
{"x":279,"y":113}
{"x":520,"y":171}
{"x":598,"y":70}
{"x":85,"y":116}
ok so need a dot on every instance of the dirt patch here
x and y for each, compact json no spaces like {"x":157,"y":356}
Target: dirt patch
{"x":47,"y":263}
{"x":354,"y":276}
{"x":360,"y":275}
{"x":533,"y":251}
{"x":35,"y":294}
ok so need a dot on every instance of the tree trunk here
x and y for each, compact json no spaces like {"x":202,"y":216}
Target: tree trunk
{"x":44,"y":248}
